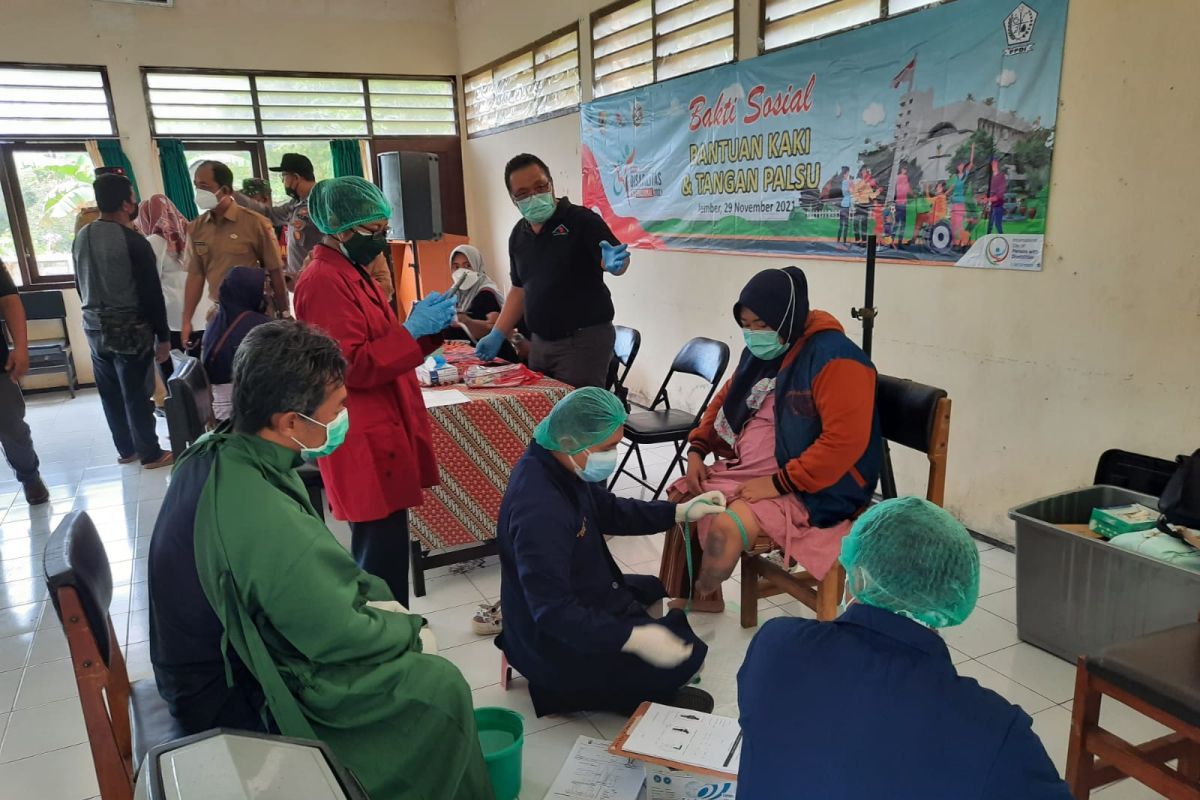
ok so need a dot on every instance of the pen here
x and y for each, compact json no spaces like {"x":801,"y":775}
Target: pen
{"x":733,"y":749}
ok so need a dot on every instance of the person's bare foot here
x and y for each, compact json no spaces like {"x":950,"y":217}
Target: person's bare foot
{"x":700,"y":606}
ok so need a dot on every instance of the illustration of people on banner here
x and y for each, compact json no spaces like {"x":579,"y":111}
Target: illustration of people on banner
{"x":943,"y":153}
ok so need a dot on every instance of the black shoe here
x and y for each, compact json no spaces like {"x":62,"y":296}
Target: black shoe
{"x":36,"y":492}
{"x":693,"y":699}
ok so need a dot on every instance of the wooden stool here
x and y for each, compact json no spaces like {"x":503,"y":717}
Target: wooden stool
{"x":1159,"y":676}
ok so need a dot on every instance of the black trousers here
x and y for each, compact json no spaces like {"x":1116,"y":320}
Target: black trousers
{"x":381,"y":548}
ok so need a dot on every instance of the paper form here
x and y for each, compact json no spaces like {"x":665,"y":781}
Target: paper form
{"x":688,"y":737}
{"x":592,"y":773}
{"x":443,"y":397}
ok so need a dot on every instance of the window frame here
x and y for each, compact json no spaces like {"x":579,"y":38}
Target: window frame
{"x":530,"y":48}
{"x":884,"y":16}
{"x":254,"y":74}
{"x":58,"y":137}
{"x":654,"y":15}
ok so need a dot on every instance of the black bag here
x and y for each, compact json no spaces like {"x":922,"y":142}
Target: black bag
{"x":125,"y":333}
{"x":1180,"y":501}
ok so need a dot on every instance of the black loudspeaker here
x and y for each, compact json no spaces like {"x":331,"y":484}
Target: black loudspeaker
{"x":412,"y":187}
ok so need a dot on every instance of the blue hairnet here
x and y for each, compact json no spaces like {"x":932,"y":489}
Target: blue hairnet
{"x":582,"y":419}
{"x":912,"y":557}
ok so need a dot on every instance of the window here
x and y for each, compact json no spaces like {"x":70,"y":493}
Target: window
{"x":200,"y":104}
{"x":318,"y":153}
{"x":536,"y":83}
{"x":787,"y":22}
{"x":636,"y":43}
{"x":47,"y":101}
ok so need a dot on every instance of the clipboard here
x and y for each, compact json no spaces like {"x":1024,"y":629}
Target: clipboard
{"x":617,"y":748}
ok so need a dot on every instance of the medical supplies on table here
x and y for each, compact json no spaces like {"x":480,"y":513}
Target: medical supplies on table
{"x":432,"y":374}
{"x":1115,"y":520}
{"x":502,"y":375}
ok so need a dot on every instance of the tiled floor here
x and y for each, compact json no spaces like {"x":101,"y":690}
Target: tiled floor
{"x":43,"y":749}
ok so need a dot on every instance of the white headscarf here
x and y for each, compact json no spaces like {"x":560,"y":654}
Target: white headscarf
{"x":475,"y":259}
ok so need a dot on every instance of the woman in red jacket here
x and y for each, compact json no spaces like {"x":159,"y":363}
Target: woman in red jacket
{"x":387,"y":458}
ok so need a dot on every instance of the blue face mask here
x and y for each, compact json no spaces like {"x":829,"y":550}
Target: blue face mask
{"x":764,"y":344}
{"x":599,"y":467}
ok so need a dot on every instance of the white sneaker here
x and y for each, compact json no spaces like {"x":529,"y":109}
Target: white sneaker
{"x":487,"y":620}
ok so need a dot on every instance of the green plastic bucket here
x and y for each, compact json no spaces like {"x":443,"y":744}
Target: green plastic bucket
{"x":502,"y":737}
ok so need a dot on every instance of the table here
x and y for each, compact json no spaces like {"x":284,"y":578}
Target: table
{"x":476,"y":444}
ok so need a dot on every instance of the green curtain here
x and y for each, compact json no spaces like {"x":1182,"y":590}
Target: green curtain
{"x":113,"y":156}
{"x":177,"y":183}
{"x":347,"y":158}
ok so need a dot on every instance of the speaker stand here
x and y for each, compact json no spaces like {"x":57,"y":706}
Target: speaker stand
{"x":416,"y":259}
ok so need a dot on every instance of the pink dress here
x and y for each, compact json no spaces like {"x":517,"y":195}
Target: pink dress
{"x":784,"y":519}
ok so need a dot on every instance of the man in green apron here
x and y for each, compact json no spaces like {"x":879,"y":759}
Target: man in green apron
{"x":302,"y":640}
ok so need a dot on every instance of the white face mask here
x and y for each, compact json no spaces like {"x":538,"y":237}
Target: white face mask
{"x":206,"y":200}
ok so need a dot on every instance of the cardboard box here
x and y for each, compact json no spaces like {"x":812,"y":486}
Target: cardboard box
{"x":439,"y":376}
{"x":1115,"y":520}
{"x":667,"y":779}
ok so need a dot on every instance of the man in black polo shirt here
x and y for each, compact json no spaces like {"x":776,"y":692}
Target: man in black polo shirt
{"x":558,"y":254}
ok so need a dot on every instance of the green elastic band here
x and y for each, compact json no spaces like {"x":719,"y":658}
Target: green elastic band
{"x":687,"y":545}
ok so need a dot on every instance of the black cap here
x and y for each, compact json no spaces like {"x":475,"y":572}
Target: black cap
{"x":295,"y":163}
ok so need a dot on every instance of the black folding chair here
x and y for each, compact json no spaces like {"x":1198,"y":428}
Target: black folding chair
{"x":704,"y":358}
{"x":49,"y":355}
{"x":625,"y":350}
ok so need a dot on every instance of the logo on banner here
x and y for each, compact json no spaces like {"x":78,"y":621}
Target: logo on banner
{"x":1018,"y":30}
{"x":997,"y":251}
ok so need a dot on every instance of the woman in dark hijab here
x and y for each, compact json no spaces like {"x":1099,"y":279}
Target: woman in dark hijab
{"x":241,"y":306}
{"x":795,"y":439}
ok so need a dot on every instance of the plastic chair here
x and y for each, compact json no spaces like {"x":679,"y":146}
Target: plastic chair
{"x":124,"y":721}
{"x":1134,"y":471}
{"x":1157,"y":675}
{"x":910,"y":414}
{"x":49,"y":355}
{"x":704,"y":358}
{"x":625,"y":350}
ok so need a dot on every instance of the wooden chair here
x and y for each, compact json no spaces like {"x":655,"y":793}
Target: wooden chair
{"x":1157,"y":675}
{"x":123,"y":721}
{"x":910,"y":414}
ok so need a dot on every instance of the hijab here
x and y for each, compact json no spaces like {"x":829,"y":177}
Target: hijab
{"x":241,"y":302}
{"x":159,"y":215}
{"x":779,"y":297}
{"x":475,"y":259}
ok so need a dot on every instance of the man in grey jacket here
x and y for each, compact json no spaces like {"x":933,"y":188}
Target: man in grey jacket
{"x":125,"y":319}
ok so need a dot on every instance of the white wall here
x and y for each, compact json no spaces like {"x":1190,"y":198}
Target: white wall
{"x":353,"y":36}
{"x":1045,"y":370}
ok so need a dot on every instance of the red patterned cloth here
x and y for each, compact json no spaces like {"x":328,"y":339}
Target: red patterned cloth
{"x":476,"y":445}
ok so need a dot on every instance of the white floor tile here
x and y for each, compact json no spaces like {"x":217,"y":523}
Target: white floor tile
{"x":1002,"y":604}
{"x":636,"y":549}
{"x":15,"y":569}
{"x":957,"y":656}
{"x":1046,"y":674}
{"x":19,"y":619}
{"x":49,"y":644}
{"x":10,"y":683}
{"x":991,"y":581}
{"x":1006,"y":687}
{"x":982,"y":633}
{"x":1000,"y":560}
{"x":1129,"y":724}
{"x":451,"y":626}
{"x":478,"y":661}
{"x":17,"y":593}
{"x":1053,"y":727}
{"x":139,"y":627}
{"x":137,"y":662}
{"x":65,"y":774}
{"x":486,"y":580}
{"x":1127,"y":789}
{"x":445,"y":592}
{"x":14,"y":650}
{"x":981,"y":545}
{"x":38,"y":730}
{"x":545,"y":753}
{"x":46,"y":683}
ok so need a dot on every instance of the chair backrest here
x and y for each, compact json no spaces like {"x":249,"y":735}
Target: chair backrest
{"x":625,"y":349}
{"x":704,"y":358}
{"x":44,"y":305}
{"x":188,"y":404}
{"x":79,"y":580}
{"x":917,"y":416}
{"x":1134,"y":471}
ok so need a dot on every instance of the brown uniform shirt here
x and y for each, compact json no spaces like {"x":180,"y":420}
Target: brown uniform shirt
{"x":239,"y":238}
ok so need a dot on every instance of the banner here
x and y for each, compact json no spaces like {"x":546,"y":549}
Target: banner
{"x":934,"y":131}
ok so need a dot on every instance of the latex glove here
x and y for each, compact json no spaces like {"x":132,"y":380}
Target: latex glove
{"x":433,"y":314}
{"x":428,"y":642}
{"x":489,"y":345}
{"x":700,"y":506}
{"x":615,"y":258}
{"x":657,"y":646}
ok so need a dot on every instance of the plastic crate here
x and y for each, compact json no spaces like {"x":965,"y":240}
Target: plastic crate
{"x":1077,"y":595}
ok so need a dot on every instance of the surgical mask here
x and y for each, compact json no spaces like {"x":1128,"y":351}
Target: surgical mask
{"x":362,"y":248}
{"x":291,"y":192}
{"x":335,"y":434}
{"x":765,"y":345}
{"x":537,"y":208}
{"x":206,"y":200}
{"x":599,"y":467}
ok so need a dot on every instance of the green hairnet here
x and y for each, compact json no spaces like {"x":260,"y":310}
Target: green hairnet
{"x":910,"y":556}
{"x":338,"y":204}
{"x":582,"y":419}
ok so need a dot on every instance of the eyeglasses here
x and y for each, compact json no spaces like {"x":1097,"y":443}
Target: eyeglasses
{"x":538,"y":188}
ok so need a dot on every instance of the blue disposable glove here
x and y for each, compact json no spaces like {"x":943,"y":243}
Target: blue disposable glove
{"x":614,"y":259}
{"x":489,"y":345}
{"x":431,"y":315}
